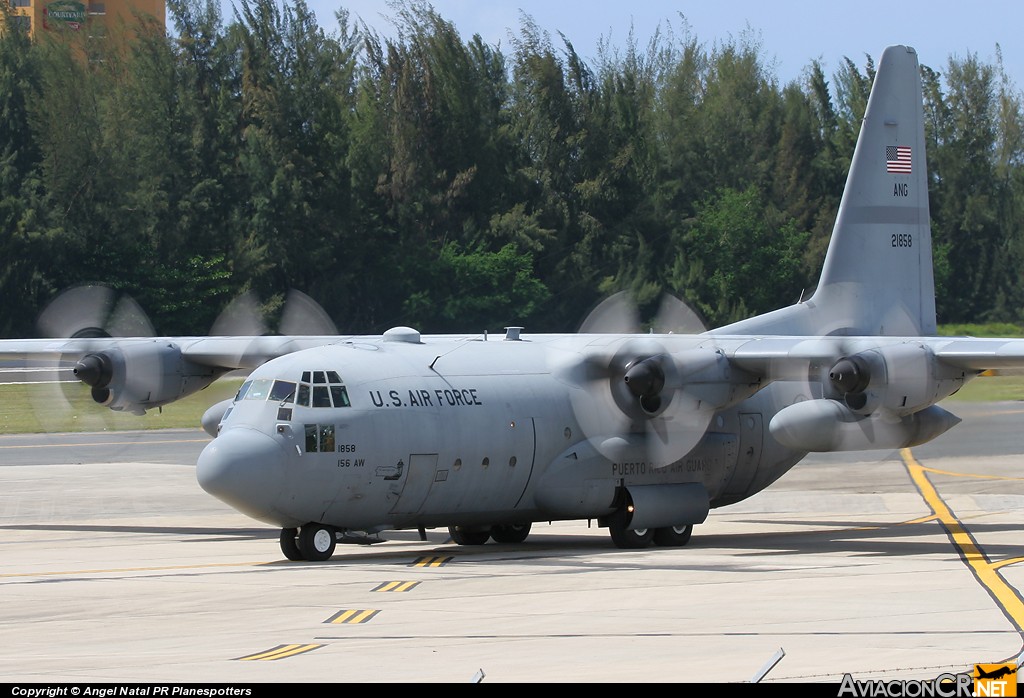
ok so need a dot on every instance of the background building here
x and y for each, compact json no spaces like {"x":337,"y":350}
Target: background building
{"x":92,"y":19}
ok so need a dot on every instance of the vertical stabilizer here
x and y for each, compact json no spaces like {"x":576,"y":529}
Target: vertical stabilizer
{"x":878,"y":269}
{"x":877,"y":278}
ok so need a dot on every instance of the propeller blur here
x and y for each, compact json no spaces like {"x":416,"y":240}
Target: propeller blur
{"x":337,"y":438}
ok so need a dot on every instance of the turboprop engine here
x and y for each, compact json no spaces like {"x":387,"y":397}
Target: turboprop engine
{"x":882,"y":398}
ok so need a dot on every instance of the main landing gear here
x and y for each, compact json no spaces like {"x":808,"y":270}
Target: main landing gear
{"x":668,"y":537}
{"x":510,"y":533}
{"x":313,"y":542}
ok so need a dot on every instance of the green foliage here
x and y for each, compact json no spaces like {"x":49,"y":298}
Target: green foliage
{"x":477,"y":290}
{"x":424,"y":179}
{"x":24,"y":241}
{"x":994,"y":329}
{"x":741,"y":243}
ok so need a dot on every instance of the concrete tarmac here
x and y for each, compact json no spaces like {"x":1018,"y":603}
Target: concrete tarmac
{"x":116,"y":567}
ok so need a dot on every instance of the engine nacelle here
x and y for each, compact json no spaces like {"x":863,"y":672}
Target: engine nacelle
{"x":214,"y":415}
{"x":901,"y":379}
{"x":134,"y":377}
{"x":829,"y":425}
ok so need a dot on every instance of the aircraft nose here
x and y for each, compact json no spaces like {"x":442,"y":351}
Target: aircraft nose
{"x":244,"y":468}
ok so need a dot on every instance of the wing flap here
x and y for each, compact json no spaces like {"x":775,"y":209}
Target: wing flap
{"x":983,"y":354}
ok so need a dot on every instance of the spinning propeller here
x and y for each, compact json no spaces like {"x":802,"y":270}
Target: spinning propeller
{"x":135,"y":375}
{"x":88,"y":312}
{"x":246,"y":317}
{"x":640,"y":399}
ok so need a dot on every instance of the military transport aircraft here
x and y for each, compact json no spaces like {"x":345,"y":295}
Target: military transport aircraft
{"x":338,"y":438}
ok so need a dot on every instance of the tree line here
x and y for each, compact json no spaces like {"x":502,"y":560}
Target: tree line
{"x":426,"y":180}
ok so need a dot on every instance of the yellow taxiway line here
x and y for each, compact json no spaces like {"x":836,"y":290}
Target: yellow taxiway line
{"x":985,"y":570}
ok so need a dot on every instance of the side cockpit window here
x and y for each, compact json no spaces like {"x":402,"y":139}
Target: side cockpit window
{"x":243,"y":390}
{"x":319,"y":438}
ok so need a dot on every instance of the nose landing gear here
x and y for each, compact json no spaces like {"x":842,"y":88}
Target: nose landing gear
{"x":313,"y":542}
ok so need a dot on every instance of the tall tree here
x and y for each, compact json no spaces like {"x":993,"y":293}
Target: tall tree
{"x":964,"y":189}
{"x":24,"y":274}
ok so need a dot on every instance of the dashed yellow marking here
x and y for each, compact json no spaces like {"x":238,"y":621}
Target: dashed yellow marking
{"x":279,"y":652}
{"x":433,"y":561}
{"x":985,"y":571}
{"x":352,"y":617}
{"x":396,"y":586}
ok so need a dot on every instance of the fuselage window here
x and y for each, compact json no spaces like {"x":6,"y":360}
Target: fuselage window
{"x":311,"y":445}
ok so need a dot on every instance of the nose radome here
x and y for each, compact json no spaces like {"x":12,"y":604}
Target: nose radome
{"x":244,"y":468}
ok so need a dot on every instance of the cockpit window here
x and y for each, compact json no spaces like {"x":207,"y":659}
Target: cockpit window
{"x":340,"y":396}
{"x":322,"y":389}
{"x":259,"y":389}
{"x":243,"y":390}
{"x":283,"y":391}
{"x":321,"y":397}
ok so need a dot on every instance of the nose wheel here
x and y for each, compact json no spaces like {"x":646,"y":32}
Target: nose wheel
{"x":313,"y":542}
{"x":290,"y":544}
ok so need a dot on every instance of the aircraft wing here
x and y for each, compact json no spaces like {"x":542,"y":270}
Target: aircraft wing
{"x":228,"y":353}
{"x":783,"y":356}
{"x":982,"y":354}
{"x":134,"y":374}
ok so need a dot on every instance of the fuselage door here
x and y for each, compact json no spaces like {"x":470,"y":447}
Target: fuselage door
{"x":418,"y":477}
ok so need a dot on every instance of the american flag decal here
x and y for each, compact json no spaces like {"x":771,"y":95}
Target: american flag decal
{"x":897,"y":159}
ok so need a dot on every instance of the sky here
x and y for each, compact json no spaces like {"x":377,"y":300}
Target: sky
{"x":791,"y":32}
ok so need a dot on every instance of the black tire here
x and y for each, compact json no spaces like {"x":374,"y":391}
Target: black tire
{"x":316,"y":542}
{"x":629,"y":538}
{"x":673,"y":536}
{"x":511,"y":533}
{"x":290,"y":544}
{"x":468,"y":536}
